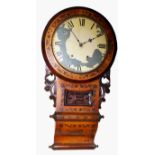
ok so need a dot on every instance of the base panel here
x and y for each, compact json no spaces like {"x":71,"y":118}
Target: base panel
{"x":71,"y":146}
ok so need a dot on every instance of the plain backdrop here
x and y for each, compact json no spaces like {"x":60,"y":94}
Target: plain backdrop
{"x":135,"y":74}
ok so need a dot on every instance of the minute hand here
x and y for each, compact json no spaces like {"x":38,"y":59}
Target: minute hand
{"x":75,"y":37}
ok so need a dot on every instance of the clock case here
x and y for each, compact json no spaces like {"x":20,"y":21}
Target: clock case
{"x":77,"y":96}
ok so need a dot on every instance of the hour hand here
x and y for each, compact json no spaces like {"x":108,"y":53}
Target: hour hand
{"x":91,"y":39}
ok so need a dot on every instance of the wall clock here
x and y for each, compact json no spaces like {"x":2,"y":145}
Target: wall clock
{"x":78,"y":46}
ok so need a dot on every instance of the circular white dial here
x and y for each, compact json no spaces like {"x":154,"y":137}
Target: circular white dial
{"x":79,"y":44}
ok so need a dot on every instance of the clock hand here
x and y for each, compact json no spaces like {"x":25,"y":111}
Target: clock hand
{"x":80,"y":44}
{"x":91,"y":39}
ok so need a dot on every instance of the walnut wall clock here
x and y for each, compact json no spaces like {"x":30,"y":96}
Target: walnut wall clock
{"x":78,"y":46}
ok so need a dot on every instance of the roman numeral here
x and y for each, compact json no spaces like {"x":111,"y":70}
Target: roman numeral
{"x":82,"y":22}
{"x":58,"y":43}
{"x":101,"y":45}
{"x":79,"y":68}
{"x":92,"y":26}
{"x":70,"y":24}
{"x":99,"y":35}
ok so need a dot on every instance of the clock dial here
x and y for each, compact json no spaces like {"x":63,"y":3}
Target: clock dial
{"x":79,"y":44}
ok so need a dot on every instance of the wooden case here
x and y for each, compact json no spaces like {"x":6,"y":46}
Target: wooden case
{"x":77,"y":97}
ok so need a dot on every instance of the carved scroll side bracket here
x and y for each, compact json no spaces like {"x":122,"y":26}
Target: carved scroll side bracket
{"x":50,"y":85}
{"x":105,"y":87}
